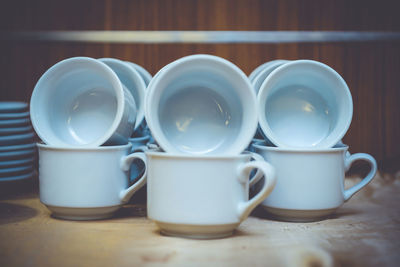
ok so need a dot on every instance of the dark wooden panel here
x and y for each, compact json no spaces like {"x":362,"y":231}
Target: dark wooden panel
{"x":370,"y":69}
{"x":200,"y":15}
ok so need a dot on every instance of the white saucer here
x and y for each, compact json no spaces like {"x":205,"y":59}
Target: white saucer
{"x":19,"y":154}
{"x":16,"y":171}
{"x":290,"y":215}
{"x":17,"y":147}
{"x":15,"y":130}
{"x":15,"y":123}
{"x":17,"y":177}
{"x":82,"y":214}
{"x":12,"y":106}
{"x":13,"y":116}
{"x":16,"y":139}
{"x":14,"y":163}
{"x":197,"y":231}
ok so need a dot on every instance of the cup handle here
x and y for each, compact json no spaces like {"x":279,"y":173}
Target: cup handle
{"x":348,"y":162}
{"x":259,"y":174}
{"x":126,"y":162}
{"x":268,"y":171}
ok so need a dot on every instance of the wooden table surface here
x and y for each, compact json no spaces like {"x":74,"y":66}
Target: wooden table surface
{"x":364,"y":232}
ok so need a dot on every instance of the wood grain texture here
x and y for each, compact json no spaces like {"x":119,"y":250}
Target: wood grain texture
{"x":363,"y":232}
{"x":370,"y":69}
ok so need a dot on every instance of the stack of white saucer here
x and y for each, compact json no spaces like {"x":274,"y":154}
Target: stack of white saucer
{"x":17,"y":146}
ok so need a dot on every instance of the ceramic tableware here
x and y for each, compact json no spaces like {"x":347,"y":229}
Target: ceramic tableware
{"x":16,"y":139}
{"x":133,"y":82}
{"x":86,"y":183}
{"x":17,"y":154}
{"x":14,"y":171}
{"x":138,"y":166}
{"x":20,"y":122}
{"x":12,"y":116}
{"x":202,"y":196}
{"x":17,"y":147}
{"x":201,"y":104}
{"x":258,"y":80}
{"x":146,"y":76}
{"x":18,"y":162}
{"x":18,"y":177}
{"x":304,"y":104}
{"x":310,"y":183}
{"x":15,"y":130}
{"x":80,"y":102}
{"x":257,"y":70}
{"x":13,"y":107}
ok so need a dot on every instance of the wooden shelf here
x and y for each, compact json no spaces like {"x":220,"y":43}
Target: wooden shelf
{"x":363,"y":232}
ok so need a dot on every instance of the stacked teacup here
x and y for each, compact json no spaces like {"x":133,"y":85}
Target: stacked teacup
{"x":85,"y":110}
{"x":305,"y":108}
{"x":202,"y":112}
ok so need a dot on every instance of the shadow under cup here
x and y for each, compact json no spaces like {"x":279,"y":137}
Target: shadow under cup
{"x":201,"y":105}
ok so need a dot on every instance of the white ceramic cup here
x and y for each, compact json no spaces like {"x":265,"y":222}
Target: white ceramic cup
{"x":263,"y":66}
{"x":310,"y":183}
{"x":139,"y":144}
{"x":258,"y":80}
{"x":86,"y":183}
{"x":201,"y":104}
{"x":202,"y":196}
{"x":304,"y":104}
{"x":80,"y":102}
{"x":146,"y":76}
{"x":133,"y":81}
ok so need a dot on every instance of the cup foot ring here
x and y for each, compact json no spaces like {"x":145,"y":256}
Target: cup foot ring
{"x":291,"y":215}
{"x":197,"y":231}
{"x":82,"y":214}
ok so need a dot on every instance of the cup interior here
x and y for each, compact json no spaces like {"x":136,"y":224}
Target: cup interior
{"x":132,"y":80}
{"x":76,"y":102}
{"x":305,"y":104}
{"x":201,"y":106}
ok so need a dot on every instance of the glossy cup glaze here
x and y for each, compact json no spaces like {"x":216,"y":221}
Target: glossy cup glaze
{"x":201,"y":104}
{"x":263,"y":66}
{"x":202,"y":196}
{"x":304,"y":104}
{"x":133,"y":81}
{"x":86,"y":183}
{"x":310,"y":183}
{"x":146,"y":76}
{"x":263,"y":73}
{"x":80,"y":102}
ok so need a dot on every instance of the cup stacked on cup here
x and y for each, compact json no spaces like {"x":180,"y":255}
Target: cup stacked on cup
{"x":85,"y":110}
{"x":305,"y":109}
{"x":202,"y":112}
{"x":17,"y":146}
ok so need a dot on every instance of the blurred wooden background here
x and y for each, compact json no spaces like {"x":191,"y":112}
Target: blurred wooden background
{"x":371,"y":69}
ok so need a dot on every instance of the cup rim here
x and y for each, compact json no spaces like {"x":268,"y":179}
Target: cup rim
{"x":274,"y":64}
{"x":302,"y":150}
{"x":43,"y":146}
{"x":261,"y":67}
{"x":114,"y":80}
{"x":140,"y":85}
{"x":239,"y":145}
{"x":146,"y":76}
{"x":264,"y":90}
